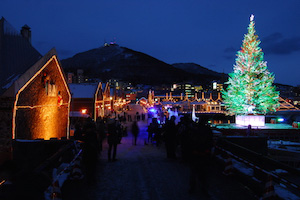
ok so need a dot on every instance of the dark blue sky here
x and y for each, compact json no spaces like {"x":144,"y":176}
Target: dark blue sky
{"x":206,"y":32}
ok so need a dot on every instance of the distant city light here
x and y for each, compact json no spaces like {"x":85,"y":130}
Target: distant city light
{"x":214,"y":85}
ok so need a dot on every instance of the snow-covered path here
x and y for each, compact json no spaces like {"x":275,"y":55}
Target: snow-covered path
{"x":143,"y":172}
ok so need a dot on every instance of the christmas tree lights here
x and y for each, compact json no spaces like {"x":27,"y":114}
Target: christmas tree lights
{"x":250,"y":87}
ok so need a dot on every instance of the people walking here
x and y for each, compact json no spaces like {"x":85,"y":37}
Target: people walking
{"x":112,"y":139}
{"x":129,"y":118}
{"x":170,"y":133}
{"x":183,"y":136}
{"x":153,"y":129}
{"x":100,"y":125}
{"x":119,"y":130}
{"x":135,"y":131}
{"x":200,"y":143}
{"x":90,"y":149}
{"x":78,"y":135}
{"x":137,"y":116}
{"x":143,"y":116}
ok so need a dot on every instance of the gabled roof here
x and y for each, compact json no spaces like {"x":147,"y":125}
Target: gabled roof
{"x":106,"y":91}
{"x":83,"y":90}
{"x":103,"y":85}
{"x":17,"y":55}
{"x":99,"y":89}
{"x":22,"y":78}
{"x":112,"y":91}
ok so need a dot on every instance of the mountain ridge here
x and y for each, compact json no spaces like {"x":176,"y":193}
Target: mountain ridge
{"x":126,"y":64}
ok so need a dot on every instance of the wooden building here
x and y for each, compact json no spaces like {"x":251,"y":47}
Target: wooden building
{"x":41,"y":101}
{"x":108,"y":101}
{"x":82,"y":103}
{"x":34,"y":96}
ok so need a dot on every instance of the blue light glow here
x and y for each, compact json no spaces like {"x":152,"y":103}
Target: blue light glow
{"x":152,"y":110}
{"x":280,"y":119}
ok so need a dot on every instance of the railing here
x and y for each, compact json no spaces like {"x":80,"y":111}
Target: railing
{"x":42,"y":174}
{"x":259,"y":162}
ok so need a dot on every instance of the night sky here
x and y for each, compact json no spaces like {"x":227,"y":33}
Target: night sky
{"x":206,"y":32}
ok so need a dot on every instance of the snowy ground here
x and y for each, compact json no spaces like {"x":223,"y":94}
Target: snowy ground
{"x":281,"y":144}
{"x":143,"y":172}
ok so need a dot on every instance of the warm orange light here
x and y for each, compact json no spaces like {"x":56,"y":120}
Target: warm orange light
{"x":96,"y":100}
{"x":83,"y":111}
{"x":48,"y":112}
{"x":48,"y":122}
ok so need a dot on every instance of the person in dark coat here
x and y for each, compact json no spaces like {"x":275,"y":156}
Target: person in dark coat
{"x":90,"y":149}
{"x":249,"y":130}
{"x":129,"y":117}
{"x":135,"y":131}
{"x":137,"y":116}
{"x":100,"y":125}
{"x":153,"y":129}
{"x":119,"y":129}
{"x":112,"y":139}
{"x":143,"y":116}
{"x":183,"y":137}
{"x":78,"y":135}
{"x":200,"y":147}
{"x":170,"y":133}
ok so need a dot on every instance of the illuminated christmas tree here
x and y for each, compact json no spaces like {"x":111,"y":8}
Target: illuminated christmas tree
{"x":250,"y":89}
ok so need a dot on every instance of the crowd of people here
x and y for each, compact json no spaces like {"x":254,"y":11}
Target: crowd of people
{"x":92,"y":135}
{"x":193,"y":139}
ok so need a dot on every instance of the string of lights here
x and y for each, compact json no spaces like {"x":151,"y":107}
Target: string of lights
{"x":40,"y":106}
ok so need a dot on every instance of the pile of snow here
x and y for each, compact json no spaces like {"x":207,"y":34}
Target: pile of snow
{"x":287,"y":145}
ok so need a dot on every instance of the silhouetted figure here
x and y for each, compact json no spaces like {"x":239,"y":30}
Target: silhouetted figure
{"x":135,"y":131}
{"x":137,"y":116}
{"x":119,"y":129}
{"x":183,"y":137}
{"x":129,"y":117}
{"x":143,"y":116}
{"x":100,"y":125}
{"x":249,"y":130}
{"x":153,"y":129}
{"x":112,"y":139}
{"x":170,"y":133}
{"x":200,"y":143}
{"x":78,"y":135}
{"x":90,"y":149}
